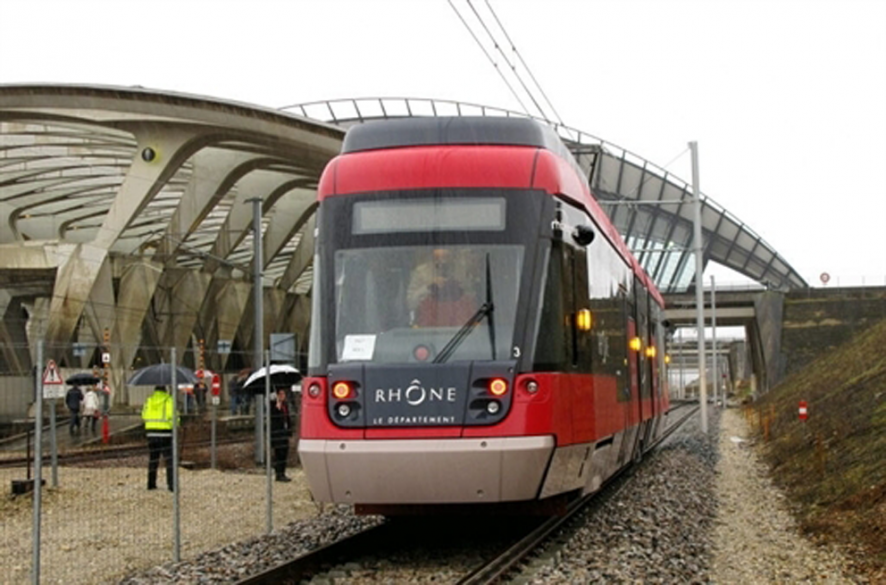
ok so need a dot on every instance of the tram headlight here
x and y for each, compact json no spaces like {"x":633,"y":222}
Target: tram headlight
{"x":532,"y":386}
{"x":343,"y":409}
{"x":341,"y":390}
{"x":498,"y":387}
{"x":314,"y":390}
{"x":493,"y":406}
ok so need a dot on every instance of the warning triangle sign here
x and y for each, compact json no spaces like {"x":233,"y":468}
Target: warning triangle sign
{"x":50,"y":374}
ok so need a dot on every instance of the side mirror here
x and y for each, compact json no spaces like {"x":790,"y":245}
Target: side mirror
{"x":583,"y":235}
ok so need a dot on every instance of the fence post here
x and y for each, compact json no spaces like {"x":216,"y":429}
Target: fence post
{"x":268,"y":451}
{"x":176,"y":511}
{"x":38,"y":465}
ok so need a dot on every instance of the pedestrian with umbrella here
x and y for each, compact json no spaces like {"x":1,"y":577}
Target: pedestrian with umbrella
{"x":73,"y":400}
{"x":158,"y":414}
{"x":281,"y":431}
{"x":74,"y":397}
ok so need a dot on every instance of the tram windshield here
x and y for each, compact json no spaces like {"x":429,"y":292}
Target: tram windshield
{"x":406,"y":304}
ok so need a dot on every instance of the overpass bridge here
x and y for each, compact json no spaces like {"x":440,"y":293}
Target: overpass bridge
{"x":783,"y":331}
{"x":757,"y":310}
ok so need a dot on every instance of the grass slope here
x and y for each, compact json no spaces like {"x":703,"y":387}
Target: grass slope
{"x":833,"y":465}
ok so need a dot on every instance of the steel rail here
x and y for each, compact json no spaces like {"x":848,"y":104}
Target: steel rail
{"x":497,"y":568}
{"x":312,"y":562}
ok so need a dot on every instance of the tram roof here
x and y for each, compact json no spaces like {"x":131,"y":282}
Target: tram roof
{"x":453,"y":130}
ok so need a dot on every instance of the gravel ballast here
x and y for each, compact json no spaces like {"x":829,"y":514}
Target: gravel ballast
{"x":702,"y":510}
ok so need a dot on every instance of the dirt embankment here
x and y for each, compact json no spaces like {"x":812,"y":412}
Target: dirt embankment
{"x":833,"y":465}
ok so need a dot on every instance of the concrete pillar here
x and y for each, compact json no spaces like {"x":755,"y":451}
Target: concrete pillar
{"x":137,"y":286}
{"x":13,"y":334}
{"x":231,"y":303}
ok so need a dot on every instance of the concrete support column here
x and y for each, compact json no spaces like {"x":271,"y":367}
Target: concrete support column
{"x":137,"y":286}
{"x":183,"y":291}
{"x":13,"y":334}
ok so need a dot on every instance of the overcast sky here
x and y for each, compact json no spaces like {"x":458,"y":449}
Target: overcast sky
{"x":786,"y":99}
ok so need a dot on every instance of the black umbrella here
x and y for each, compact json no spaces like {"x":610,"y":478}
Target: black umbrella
{"x":83,"y":379}
{"x":161,"y":375}
{"x":281,"y":375}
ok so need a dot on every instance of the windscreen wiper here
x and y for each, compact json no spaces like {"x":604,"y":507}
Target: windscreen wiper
{"x":449,"y":348}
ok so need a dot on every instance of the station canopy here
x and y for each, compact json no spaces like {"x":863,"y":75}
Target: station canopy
{"x":127,"y":208}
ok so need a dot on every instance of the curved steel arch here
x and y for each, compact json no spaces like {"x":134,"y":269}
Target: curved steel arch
{"x":122,"y":209}
{"x":631,"y":188}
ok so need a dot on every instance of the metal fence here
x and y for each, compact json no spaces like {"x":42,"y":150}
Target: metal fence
{"x":95,"y":520}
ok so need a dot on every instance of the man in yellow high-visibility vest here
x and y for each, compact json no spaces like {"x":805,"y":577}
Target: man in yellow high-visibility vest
{"x":157,"y":416}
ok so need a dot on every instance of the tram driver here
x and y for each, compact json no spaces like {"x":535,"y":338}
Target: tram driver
{"x":440,"y":293}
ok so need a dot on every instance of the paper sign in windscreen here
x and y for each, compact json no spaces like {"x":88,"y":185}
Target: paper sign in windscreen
{"x":358,"y":347}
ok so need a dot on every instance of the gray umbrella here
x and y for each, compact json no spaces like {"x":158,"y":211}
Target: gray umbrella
{"x":83,"y":379}
{"x":161,"y":375}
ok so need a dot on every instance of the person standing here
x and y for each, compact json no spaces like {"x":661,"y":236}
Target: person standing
{"x":281,"y":430}
{"x":200,"y":393}
{"x":73,"y":400}
{"x":157,"y":415}
{"x":91,"y":408}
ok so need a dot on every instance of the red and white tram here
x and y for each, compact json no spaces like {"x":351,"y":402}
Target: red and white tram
{"x":480,"y":333}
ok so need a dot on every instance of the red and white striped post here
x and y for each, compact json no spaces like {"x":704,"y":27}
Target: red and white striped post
{"x":804,"y":413}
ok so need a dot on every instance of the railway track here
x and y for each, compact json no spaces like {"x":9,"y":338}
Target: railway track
{"x":506,"y":554}
{"x":99,"y":453}
{"x":497,"y":568}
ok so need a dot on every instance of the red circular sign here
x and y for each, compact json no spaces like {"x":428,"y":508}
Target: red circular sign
{"x":216,"y":384}
{"x":825,"y":277}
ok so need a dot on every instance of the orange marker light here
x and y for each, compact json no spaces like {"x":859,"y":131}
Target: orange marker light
{"x":341,"y":390}
{"x":583,"y":320}
{"x":635,"y":344}
{"x":650,"y":351}
{"x":498,"y":387}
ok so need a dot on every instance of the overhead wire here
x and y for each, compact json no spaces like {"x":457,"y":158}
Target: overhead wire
{"x":513,"y":68}
{"x":489,"y":57}
{"x":523,"y":62}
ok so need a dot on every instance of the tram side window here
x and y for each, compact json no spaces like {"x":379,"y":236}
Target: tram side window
{"x":643,"y":332}
{"x":554,"y":345}
{"x":583,"y":340}
{"x":607,"y":278}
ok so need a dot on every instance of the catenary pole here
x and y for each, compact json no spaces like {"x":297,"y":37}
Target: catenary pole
{"x":258,"y":341}
{"x":682,"y":368}
{"x":176,"y":507}
{"x":714,"y":373}
{"x":699,"y":291}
